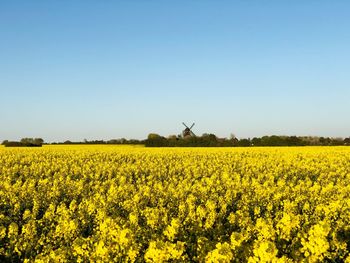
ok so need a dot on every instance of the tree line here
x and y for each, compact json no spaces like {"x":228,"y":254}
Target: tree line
{"x":211,"y":140}
{"x":24,"y":142}
{"x":206,"y":140}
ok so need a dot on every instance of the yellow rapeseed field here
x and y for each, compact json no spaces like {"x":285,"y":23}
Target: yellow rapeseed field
{"x":136,"y":204}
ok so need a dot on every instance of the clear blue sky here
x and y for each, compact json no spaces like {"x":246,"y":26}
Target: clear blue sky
{"x":112,"y":69}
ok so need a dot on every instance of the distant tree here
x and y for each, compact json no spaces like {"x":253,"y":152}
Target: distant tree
{"x":172,"y":137}
{"x":311,"y":140}
{"x":294,"y":141}
{"x":347,"y":141}
{"x":155,"y":140}
{"x":324,"y":141}
{"x":4,"y":142}
{"x":14,"y":144}
{"x":337,"y":141}
{"x":244,"y":142}
{"x":256,"y":141}
{"x":212,"y":137}
{"x":32,"y":142}
{"x":38,"y":141}
{"x":152,"y":136}
{"x":27,"y":140}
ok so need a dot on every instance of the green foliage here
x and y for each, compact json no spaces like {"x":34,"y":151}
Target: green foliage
{"x":25,"y":142}
{"x":206,"y":140}
{"x":210,"y":140}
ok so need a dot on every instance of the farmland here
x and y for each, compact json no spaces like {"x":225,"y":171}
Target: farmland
{"x":136,"y":204}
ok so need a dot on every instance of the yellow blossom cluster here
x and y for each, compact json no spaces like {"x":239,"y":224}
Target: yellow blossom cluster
{"x":136,"y":204}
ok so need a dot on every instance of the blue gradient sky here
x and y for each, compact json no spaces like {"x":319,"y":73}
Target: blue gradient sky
{"x":111,"y":69}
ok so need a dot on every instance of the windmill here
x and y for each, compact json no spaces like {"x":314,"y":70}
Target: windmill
{"x":187,"y":131}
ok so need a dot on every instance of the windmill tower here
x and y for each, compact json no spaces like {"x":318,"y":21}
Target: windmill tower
{"x":188,"y":131}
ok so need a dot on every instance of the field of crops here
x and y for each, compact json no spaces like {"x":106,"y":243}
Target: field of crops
{"x":110,"y":203}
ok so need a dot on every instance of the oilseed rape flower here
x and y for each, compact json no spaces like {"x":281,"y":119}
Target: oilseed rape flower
{"x":136,"y":204}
